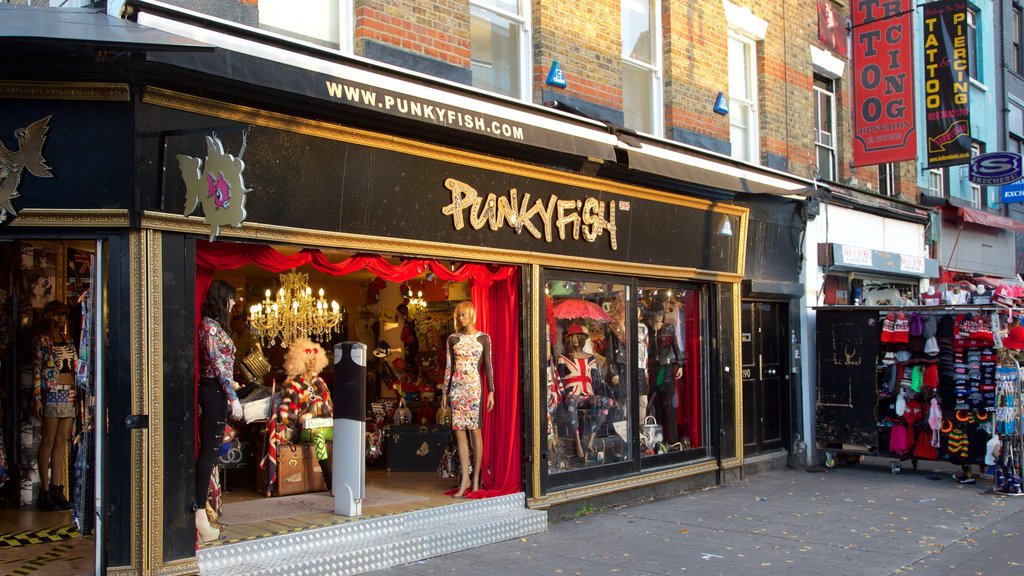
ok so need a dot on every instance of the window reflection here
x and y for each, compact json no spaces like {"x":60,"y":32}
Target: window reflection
{"x":589,"y":377}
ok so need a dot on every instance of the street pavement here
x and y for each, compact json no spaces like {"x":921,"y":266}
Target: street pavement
{"x":851,"y":520}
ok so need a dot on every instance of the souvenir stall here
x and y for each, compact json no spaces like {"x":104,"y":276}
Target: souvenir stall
{"x":1006,"y":448}
{"x":910,"y":383}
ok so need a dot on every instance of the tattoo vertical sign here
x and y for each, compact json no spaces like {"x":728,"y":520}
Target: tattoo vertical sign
{"x":946,"y":83}
{"x":883,"y":83}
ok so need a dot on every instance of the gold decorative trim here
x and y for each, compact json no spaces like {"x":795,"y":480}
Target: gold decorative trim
{"x":177,"y":567}
{"x":109,"y":91}
{"x":152,"y":399}
{"x":122,"y":571}
{"x":71,"y":218}
{"x":326,"y":130}
{"x":539,"y":435}
{"x":139,"y":359}
{"x":636,"y":481}
{"x":268,"y":233}
{"x":730,"y":463}
{"x":737,"y":369}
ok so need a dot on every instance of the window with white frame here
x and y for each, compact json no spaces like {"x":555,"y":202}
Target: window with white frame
{"x":326,"y":23}
{"x":1015,"y":127}
{"x":887,"y":179}
{"x":743,"y":114}
{"x":499,"y":53}
{"x":936,"y":179}
{"x":972,"y":45}
{"x":641,"y":66}
{"x":825,"y":127}
{"x":975,"y":198}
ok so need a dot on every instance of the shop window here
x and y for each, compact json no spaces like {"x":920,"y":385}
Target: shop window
{"x":590,"y":419}
{"x":500,"y":46}
{"x":641,"y":66}
{"x":675,"y":392}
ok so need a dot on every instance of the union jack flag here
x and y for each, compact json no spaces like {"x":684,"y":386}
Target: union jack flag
{"x":577,"y":375}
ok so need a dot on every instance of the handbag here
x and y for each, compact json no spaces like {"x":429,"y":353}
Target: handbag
{"x":256,"y":366}
{"x":444,"y":416}
{"x":651,"y":432}
{"x":448,"y":467}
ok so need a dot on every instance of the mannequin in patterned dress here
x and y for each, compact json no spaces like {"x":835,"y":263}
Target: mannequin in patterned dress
{"x":580,"y":377}
{"x":467,"y":352}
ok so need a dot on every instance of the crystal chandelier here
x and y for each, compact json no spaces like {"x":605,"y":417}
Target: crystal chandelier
{"x":417,"y":305}
{"x":295,"y":313}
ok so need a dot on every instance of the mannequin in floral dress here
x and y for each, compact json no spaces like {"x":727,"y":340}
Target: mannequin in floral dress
{"x":468,"y":350}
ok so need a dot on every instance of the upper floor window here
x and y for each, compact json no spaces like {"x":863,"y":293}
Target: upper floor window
{"x":887,"y":179}
{"x":326,"y":23}
{"x":972,"y":45}
{"x":936,"y":180}
{"x":641,"y":66}
{"x":745,"y":31}
{"x":1015,"y":58}
{"x":975,"y":198}
{"x":743,"y":113}
{"x":499,"y":37}
{"x":825,"y":127}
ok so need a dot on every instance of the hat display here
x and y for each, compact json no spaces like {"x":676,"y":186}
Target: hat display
{"x":576,"y":329}
{"x":931,"y":346}
{"x":1015,"y":338}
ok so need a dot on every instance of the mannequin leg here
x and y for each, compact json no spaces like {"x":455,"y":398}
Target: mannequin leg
{"x":58,"y":463}
{"x":46,"y":449}
{"x":44,"y":502}
{"x":463,"y":444}
{"x":478,"y":456}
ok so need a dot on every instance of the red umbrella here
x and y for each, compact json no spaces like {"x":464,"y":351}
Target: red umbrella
{"x":577,"y":308}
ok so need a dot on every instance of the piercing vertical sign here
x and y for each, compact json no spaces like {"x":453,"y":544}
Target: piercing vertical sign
{"x":946,"y":83}
{"x":883,"y":83}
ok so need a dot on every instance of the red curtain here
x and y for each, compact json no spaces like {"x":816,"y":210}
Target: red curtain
{"x":691,"y":404}
{"x":493,"y":289}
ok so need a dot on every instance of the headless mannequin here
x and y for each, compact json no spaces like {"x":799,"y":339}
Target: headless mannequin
{"x":931,"y":297}
{"x":981,"y":295}
{"x":956,"y":296}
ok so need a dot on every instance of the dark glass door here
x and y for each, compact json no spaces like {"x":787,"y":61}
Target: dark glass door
{"x":765,"y":376}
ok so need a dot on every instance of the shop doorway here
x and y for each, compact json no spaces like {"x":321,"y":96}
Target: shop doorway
{"x":765,"y":376}
{"x":48,"y":448}
{"x":402,"y":310}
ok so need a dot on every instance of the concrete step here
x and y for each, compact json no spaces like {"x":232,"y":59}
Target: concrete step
{"x":376,"y":543}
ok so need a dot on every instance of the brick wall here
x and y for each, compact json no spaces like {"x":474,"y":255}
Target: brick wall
{"x":586,"y":40}
{"x":436,"y":29}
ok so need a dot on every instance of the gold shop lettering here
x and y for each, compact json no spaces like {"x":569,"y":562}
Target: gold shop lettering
{"x":589,"y":218}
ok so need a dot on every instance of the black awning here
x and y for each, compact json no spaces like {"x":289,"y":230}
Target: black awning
{"x":713,"y":172}
{"x":34,"y":28}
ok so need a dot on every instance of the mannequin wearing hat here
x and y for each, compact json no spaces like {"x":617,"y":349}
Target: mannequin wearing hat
{"x":580,"y":376}
{"x":468,"y":351}
{"x":667,"y":359}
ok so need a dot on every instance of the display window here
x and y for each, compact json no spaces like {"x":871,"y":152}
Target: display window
{"x":443,"y":341}
{"x":47,"y":396}
{"x":624,"y":375}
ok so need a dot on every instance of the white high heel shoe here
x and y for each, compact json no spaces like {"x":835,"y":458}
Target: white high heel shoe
{"x":206,"y":532}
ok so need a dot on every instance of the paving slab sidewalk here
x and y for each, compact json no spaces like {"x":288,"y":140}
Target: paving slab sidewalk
{"x":851,"y":520}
